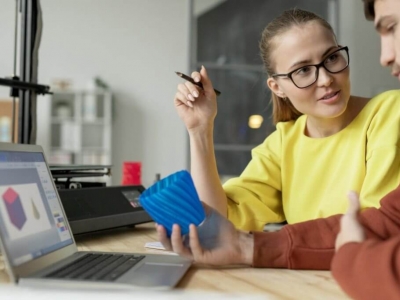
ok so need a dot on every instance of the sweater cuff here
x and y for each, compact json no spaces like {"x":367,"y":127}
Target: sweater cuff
{"x":343,"y":259}
{"x":270,"y":249}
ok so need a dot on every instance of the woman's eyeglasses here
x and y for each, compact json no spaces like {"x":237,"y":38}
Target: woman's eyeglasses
{"x":305,"y":76}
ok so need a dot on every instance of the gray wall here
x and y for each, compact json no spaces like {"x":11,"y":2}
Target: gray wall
{"x":135,"y":46}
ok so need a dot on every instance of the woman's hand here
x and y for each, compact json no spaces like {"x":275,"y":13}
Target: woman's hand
{"x":196,"y":107}
{"x":231,"y":247}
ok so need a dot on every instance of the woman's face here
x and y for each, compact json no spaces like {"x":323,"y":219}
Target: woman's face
{"x":307,"y":45}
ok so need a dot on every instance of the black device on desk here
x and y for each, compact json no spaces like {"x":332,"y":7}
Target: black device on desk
{"x":93,"y":208}
{"x":70,"y":176}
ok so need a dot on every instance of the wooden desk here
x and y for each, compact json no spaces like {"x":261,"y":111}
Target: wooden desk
{"x":277,"y":283}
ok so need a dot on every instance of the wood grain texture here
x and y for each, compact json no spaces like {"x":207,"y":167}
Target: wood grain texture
{"x":273,"y":283}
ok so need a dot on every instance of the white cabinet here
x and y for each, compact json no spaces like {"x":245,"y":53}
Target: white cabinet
{"x":80,"y":127}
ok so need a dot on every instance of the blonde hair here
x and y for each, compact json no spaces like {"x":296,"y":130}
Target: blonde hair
{"x":282,"y":109}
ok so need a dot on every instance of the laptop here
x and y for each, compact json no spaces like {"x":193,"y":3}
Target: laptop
{"x":38,"y":246}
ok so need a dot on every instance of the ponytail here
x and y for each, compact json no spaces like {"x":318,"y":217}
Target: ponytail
{"x":283,"y":110}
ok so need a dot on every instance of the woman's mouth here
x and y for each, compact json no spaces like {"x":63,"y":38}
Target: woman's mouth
{"x":330,"y":97}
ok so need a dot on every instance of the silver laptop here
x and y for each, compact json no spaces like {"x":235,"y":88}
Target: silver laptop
{"x":36,"y":240}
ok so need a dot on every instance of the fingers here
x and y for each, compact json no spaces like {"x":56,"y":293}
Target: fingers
{"x":176,"y":237}
{"x":196,"y":76}
{"x":350,"y":228}
{"x":180,"y":98}
{"x":177,"y":242}
{"x":354,"y":203}
{"x":174,"y":244}
{"x":207,"y":84}
{"x":187,"y":93}
{"x":195,"y":247}
{"x":162,"y":237}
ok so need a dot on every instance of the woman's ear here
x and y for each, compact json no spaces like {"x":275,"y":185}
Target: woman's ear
{"x":275,"y":88}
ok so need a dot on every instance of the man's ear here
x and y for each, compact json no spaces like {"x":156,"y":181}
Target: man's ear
{"x":275,"y":88}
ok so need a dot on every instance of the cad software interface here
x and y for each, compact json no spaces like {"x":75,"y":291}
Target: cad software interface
{"x":32,"y":223}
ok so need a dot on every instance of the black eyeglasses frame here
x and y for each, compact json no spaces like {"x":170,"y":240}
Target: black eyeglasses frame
{"x":321,"y":64}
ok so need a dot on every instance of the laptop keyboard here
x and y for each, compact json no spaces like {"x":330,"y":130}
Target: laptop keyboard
{"x":98,"y":267}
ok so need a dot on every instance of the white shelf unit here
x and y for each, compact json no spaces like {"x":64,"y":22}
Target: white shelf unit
{"x":80,"y":127}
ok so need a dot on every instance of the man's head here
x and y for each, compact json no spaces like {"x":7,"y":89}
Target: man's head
{"x":386,"y":16}
{"x":369,"y":10}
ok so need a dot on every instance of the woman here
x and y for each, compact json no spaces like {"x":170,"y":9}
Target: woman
{"x":326,"y":142}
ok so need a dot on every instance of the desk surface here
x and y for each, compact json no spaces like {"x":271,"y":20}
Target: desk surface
{"x":277,"y":283}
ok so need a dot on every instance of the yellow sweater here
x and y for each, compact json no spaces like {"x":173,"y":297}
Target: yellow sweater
{"x":296,"y":178}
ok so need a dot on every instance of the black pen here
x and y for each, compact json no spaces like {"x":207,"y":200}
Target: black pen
{"x":199,"y":84}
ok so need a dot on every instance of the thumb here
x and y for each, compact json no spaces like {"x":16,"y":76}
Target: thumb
{"x":354,"y":203}
{"x":205,"y":80}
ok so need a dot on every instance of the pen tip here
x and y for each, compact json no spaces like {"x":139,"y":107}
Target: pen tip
{"x":178,"y":73}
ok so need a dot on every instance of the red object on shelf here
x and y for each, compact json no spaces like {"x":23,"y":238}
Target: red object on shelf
{"x":131,"y":173}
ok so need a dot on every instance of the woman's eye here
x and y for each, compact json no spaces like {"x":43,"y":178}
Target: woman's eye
{"x":391,"y":28}
{"x":303,"y":70}
{"x":332,"y":58}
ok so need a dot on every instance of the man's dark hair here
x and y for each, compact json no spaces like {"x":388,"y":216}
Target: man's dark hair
{"x":369,"y":10}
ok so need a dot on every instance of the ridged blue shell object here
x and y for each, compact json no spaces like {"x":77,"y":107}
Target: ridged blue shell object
{"x":174,"y":200}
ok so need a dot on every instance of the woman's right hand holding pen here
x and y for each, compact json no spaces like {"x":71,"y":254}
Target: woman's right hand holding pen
{"x":197,"y":107}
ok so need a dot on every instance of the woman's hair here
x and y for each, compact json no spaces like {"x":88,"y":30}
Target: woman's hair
{"x":369,"y":10}
{"x":282,"y":109}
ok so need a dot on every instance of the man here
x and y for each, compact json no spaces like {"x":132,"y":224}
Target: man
{"x":369,"y":268}
{"x":367,"y":259}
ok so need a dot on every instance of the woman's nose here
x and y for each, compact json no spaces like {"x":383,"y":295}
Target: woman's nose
{"x":324,"y":77}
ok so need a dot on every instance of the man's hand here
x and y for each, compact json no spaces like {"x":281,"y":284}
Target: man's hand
{"x":231,"y":246}
{"x":350,"y":229}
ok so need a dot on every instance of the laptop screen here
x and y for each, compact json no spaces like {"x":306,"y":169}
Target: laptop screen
{"x":32,"y":223}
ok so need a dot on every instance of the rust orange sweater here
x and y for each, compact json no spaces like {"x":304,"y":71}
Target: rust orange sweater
{"x":368,"y":270}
